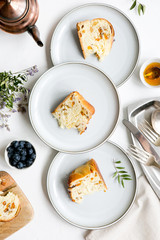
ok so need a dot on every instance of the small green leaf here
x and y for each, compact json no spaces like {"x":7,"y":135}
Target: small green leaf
{"x":119,"y":178}
{"x":139,"y":9}
{"x":133,"y":5}
{"x":115,"y":174}
{"x":143,"y":8}
{"x":118,"y":162}
{"x":127,"y":178}
{"x":122,"y":172}
{"x":2,"y":83}
{"x":120,"y":167}
{"x":125,"y":175}
{"x":122,"y":183}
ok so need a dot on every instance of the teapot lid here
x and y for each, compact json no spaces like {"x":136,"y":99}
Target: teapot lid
{"x":13,"y":10}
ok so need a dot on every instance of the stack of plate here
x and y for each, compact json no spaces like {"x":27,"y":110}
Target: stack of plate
{"x":91,"y":78}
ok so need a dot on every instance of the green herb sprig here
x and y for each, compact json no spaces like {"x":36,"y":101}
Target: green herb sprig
{"x":140,"y":7}
{"x":13,"y":93}
{"x":10,"y":86}
{"x":120,"y":174}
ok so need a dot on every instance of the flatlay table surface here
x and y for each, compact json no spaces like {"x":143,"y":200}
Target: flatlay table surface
{"x":19,"y":52}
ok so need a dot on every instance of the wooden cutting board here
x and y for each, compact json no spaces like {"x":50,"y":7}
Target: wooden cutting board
{"x":7,"y":184}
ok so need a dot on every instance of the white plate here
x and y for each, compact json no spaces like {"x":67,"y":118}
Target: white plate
{"x":123,"y":58}
{"x":100,"y":209}
{"x":54,"y":86}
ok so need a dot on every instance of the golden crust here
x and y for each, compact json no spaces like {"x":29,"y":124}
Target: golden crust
{"x":18,"y":210}
{"x":80,"y":36}
{"x":112,"y":29}
{"x":84,"y":170}
{"x":90,"y":108}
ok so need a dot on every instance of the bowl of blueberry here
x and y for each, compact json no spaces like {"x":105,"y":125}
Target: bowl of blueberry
{"x":20,"y":154}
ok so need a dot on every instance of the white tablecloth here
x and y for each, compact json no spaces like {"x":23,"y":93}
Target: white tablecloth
{"x":142,"y":221}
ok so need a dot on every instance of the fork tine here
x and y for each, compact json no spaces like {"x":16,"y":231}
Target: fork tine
{"x":136,"y":152}
{"x":140,"y":151}
{"x":138,"y":148}
{"x":146,"y":133}
{"x":141,"y":157}
{"x":149,"y":127}
{"x":145,"y":129}
{"x":135,"y":157}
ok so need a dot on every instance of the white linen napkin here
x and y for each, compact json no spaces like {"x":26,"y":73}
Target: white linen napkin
{"x":142,"y":221}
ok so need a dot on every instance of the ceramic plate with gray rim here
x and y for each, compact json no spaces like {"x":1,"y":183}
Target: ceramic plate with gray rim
{"x":100,"y":209}
{"x":51,"y":89}
{"x":124,"y":55}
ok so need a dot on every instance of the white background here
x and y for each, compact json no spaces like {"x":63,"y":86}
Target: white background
{"x":20,"y":51}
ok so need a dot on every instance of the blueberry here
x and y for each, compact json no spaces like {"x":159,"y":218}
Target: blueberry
{"x":23,"y":158}
{"x":13,"y":163}
{"x":19,"y":149}
{"x":15,"y":144}
{"x":16,"y":157}
{"x":19,"y":165}
{"x":10,"y":155}
{"x":23,"y":152}
{"x":21,"y":144}
{"x":33,"y":156}
{"x":29,"y":163}
{"x":28,"y":145}
{"x":10,"y":149}
{"x":30,"y":151}
{"x":24,"y":165}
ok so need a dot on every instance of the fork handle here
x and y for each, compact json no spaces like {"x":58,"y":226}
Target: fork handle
{"x":156,"y":165}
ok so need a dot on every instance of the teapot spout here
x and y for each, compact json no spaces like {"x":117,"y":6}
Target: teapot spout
{"x":34,"y":32}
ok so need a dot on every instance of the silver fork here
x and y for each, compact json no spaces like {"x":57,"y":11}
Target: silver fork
{"x":142,"y":156}
{"x":149,"y":132}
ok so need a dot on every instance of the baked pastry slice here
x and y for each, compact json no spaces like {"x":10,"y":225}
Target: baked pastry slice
{"x":9,"y":207}
{"x":74,"y":112}
{"x":84,"y":180}
{"x":96,"y":37}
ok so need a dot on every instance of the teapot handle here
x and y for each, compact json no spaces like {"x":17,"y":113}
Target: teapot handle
{"x":34,"y":32}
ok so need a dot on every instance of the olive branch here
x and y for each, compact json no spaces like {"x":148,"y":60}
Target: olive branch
{"x":120,"y":174}
{"x":140,"y":7}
